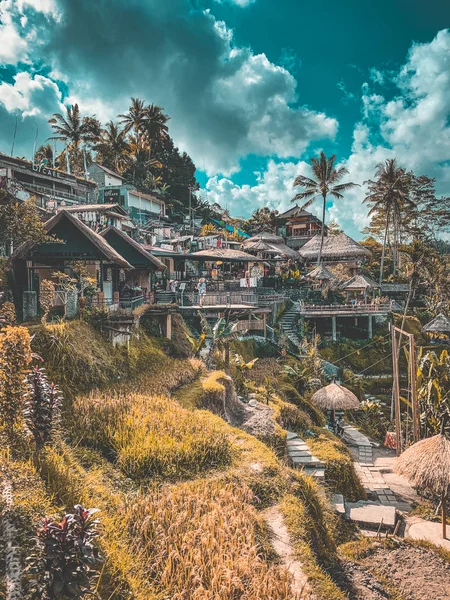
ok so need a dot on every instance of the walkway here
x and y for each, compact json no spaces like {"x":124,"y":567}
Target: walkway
{"x":301,"y":457}
{"x":374,"y":467}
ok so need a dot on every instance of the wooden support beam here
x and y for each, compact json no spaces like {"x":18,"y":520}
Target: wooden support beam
{"x":396,"y":392}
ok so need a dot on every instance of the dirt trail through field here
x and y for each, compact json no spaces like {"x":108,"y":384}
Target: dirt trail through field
{"x":282,"y":544}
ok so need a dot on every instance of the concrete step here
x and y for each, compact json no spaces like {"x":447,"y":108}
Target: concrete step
{"x":371,"y":515}
{"x":317,"y":473}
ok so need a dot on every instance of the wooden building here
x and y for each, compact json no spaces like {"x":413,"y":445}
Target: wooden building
{"x":337,"y":249}
{"x":298,"y":227}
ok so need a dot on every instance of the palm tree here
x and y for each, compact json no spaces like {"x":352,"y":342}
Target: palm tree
{"x":44,"y":154}
{"x":135,"y":117}
{"x":74,"y":128}
{"x":388,"y":195}
{"x":326,"y":182}
{"x":155,"y":122}
{"x":113,"y":147}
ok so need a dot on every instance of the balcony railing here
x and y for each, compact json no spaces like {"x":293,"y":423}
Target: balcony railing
{"x":306,"y":309}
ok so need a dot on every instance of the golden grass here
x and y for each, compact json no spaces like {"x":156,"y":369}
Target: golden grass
{"x":152,"y":436}
{"x":194,"y":540}
{"x":340,"y":474}
{"x":290,"y":394}
{"x":311,"y":548}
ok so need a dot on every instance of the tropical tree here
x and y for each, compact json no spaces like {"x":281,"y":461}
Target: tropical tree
{"x":221,"y":334}
{"x":388,"y":196}
{"x":417,"y":268}
{"x":155,"y":122}
{"x":44,"y":154}
{"x":73,"y":128}
{"x":325,"y":183}
{"x":433,"y":389}
{"x":262,"y":219}
{"x":113,"y":149}
{"x":135,"y":117}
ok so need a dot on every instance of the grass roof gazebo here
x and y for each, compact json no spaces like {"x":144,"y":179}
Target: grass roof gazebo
{"x":427,"y":465}
{"x":335,"y":397}
{"x":439,"y":325}
{"x":321,"y":273}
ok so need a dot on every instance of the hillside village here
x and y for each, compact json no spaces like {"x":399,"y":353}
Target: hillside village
{"x":256,"y":407}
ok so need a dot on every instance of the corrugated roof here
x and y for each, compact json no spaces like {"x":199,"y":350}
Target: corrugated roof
{"x":101,"y":244}
{"x":109,"y":171}
{"x":97,"y":208}
{"x":145,"y":253}
{"x":296,"y":211}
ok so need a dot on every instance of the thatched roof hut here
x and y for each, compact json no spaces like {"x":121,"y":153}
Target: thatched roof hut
{"x":427,"y":465}
{"x":260,"y":246}
{"x":360,"y":282}
{"x":335,"y":397}
{"x":440,"y":324}
{"x":338,"y":247}
{"x":272,"y":241}
{"x":321,"y":273}
{"x":224,"y":254}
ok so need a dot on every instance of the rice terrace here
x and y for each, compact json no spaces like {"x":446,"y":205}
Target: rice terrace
{"x":224,"y":300}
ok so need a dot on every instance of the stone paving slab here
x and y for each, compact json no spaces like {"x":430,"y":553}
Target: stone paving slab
{"x":337,"y":501}
{"x":372,"y":515}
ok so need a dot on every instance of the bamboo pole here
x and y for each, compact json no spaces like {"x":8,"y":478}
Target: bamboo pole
{"x":396,"y":393}
{"x":444,"y":516}
{"x":414,"y":401}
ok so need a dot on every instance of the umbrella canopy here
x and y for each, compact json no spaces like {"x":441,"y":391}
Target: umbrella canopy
{"x":321,"y":273}
{"x":260,"y":246}
{"x":427,"y":465}
{"x":440,"y":324}
{"x":335,"y":397}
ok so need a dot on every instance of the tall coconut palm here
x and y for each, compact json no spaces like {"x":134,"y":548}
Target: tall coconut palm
{"x":44,"y":154}
{"x":155,"y":122}
{"x":326,"y":182}
{"x":135,"y":117}
{"x":388,"y":195}
{"x":113,"y":148}
{"x":73,"y":128}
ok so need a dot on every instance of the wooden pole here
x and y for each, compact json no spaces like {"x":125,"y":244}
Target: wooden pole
{"x":414,"y":402}
{"x":396,"y":393}
{"x":444,"y":516}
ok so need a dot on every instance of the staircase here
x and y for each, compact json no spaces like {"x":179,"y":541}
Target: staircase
{"x":288,"y":324}
{"x":163,"y":297}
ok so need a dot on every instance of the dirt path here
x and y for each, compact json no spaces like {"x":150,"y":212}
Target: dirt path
{"x":282,"y":544}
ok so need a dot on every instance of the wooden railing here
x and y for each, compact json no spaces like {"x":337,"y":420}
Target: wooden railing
{"x":345,"y":308}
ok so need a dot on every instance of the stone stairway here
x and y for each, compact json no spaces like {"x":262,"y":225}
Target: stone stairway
{"x":289,"y":324}
{"x":301,"y":457}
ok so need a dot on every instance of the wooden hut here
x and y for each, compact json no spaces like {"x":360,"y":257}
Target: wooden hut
{"x":337,"y":249}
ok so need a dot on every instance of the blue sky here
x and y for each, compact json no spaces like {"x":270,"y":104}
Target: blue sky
{"x":254,"y":88}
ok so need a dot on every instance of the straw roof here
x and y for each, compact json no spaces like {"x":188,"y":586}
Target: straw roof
{"x":274,"y":243}
{"x":360,"y":282}
{"x":223,"y":254}
{"x":427,"y":464}
{"x":321,"y":273}
{"x":334,"y":246}
{"x":160,"y":266}
{"x":260,"y":246}
{"x":335,"y":397}
{"x":108,"y":253}
{"x":440,"y":324}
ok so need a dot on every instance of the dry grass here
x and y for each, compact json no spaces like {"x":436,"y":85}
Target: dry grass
{"x":152,"y":436}
{"x":340,"y":474}
{"x":204,"y":540}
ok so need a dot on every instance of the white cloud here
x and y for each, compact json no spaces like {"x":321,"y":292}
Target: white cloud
{"x":30,"y":95}
{"x":241,"y":3}
{"x":413,"y":126}
{"x":13,"y":46}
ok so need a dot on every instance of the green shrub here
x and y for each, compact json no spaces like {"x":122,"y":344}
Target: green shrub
{"x":291,"y":395}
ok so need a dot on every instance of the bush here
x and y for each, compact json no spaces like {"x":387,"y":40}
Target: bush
{"x":340,"y":474}
{"x":152,"y":437}
{"x":291,"y":395}
{"x":15,"y":355}
{"x":64,"y":563}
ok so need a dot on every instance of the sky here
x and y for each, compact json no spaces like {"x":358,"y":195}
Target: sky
{"x":254,"y":88}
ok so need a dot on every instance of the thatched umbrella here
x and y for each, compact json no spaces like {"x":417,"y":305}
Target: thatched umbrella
{"x":335,"y":397}
{"x":427,"y":465}
{"x":321,"y":273}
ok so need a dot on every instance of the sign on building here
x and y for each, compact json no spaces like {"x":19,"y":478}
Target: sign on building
{"x":112,"y":196}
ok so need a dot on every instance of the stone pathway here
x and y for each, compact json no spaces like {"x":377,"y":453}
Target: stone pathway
{"x":419,"y":529}
{"x":301,"y":457}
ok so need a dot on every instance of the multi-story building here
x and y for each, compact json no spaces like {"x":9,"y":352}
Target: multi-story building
{"x":113,"y":189}
{"x":101,"y":216}
{"x":51,"y":187}
{"x":298,"y":226}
